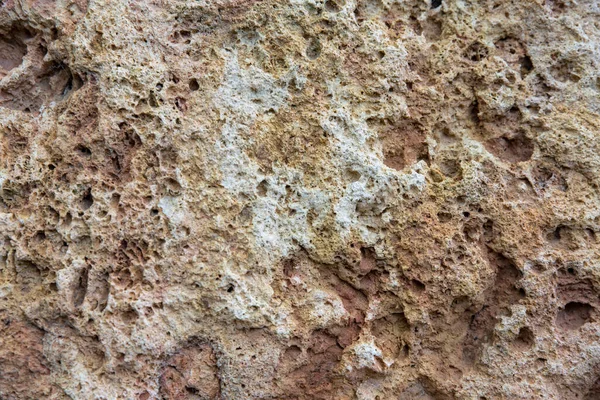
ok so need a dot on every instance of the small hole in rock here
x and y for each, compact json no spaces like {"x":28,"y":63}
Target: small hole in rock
{"x":574,"y":315}
{"x":40,"y":235}
{"x":87,"y":200}
{"x":476,"y":52}
{"x":313,"y":51}
{"x":516,"y":149}
{"x":115,"y":199}
{"x":192,"y":390}
{"x":526,"y":65}
{"x":84,"y":151}
{"x":420,"y":286}
{"x":12,"y":50}
{"x":525,"y":338}
{"x":144,"y":396}
{"x":292,"y":352}
{"x":444,"y":216}
{"x":353,"y":176}
{"x":332,"y":6}
{"x":194,"y":85}
{"x":262,"y":188}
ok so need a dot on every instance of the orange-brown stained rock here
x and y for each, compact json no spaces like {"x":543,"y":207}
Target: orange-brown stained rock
{"x":403,"y":145}
{"x":24,"y":371}
{"x":191,"y":374}
{"x":317,"y":376}
{"x":515,"y":149}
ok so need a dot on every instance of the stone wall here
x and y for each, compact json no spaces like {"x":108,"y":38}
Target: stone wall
{"x":300,"y":199}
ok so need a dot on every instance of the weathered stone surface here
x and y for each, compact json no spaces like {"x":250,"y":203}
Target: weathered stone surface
{"x":303,"y":199}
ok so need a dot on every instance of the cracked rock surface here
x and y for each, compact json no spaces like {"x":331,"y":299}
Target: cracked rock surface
{"x":300,"y":199}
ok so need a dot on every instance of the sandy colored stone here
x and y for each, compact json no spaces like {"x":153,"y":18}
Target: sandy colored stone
{"x":303,"y":199}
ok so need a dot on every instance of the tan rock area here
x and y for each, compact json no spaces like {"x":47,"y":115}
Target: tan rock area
{"x":300,"y":199}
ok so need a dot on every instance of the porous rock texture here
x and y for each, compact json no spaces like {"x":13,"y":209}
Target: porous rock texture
{"x":299,"y":199}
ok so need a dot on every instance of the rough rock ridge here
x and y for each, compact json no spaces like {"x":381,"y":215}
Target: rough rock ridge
{"x":300,"y":199}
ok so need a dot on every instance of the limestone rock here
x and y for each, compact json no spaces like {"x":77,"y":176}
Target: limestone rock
{"x":301,"y":199}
